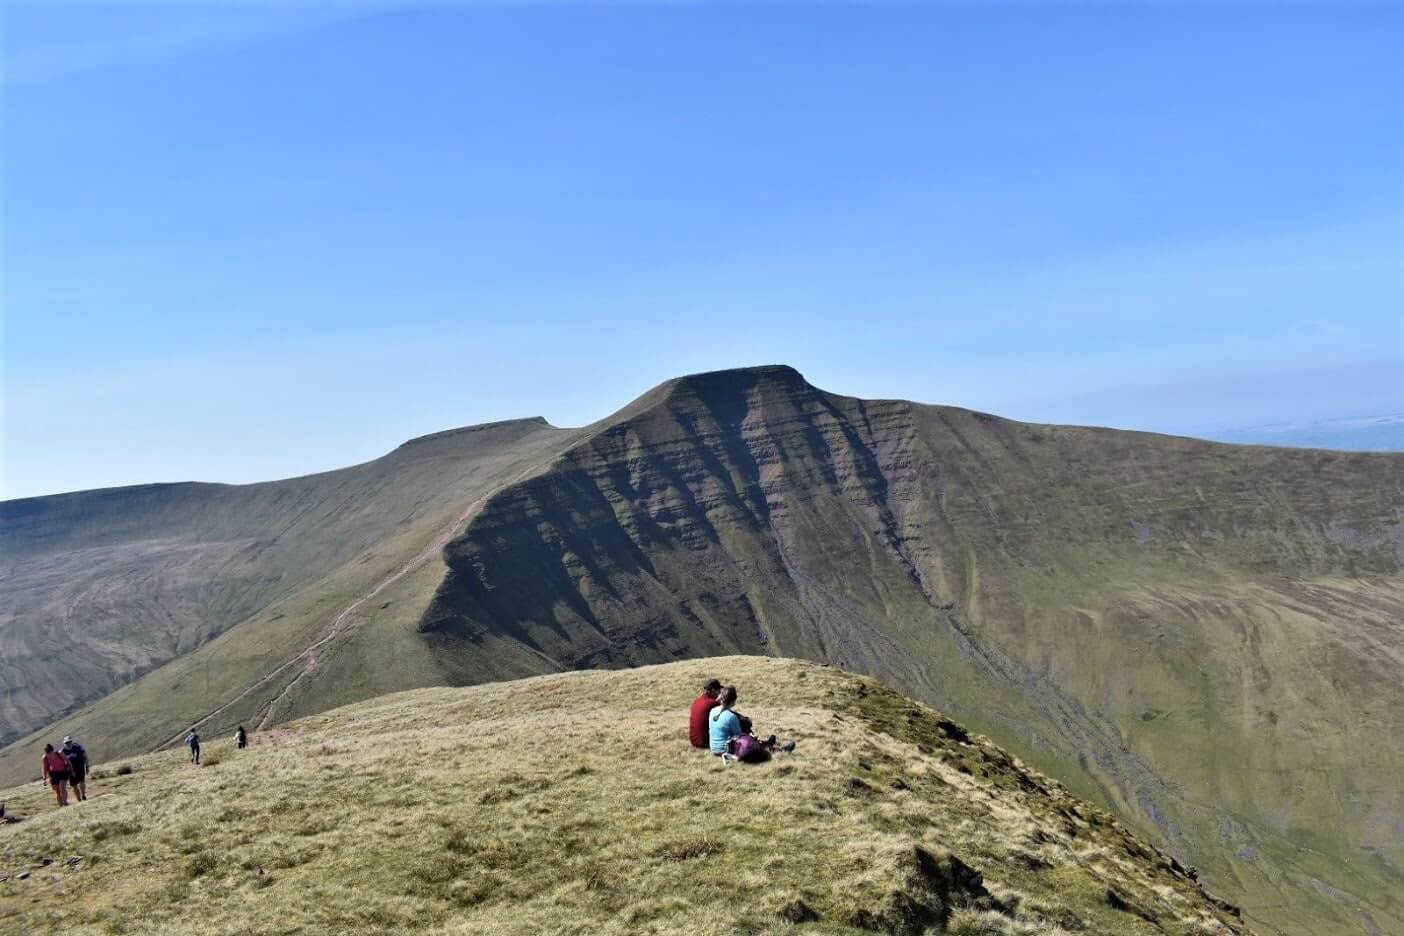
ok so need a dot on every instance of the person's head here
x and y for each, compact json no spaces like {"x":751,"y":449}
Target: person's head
{"x":48,"y":749}
{"x":241,"y":729}
{"x":712,"y":687}
{"x":67,"y":741}
{"x":727,"y":697}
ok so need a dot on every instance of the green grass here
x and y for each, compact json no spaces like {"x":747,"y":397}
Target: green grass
{"x":571,"y":804}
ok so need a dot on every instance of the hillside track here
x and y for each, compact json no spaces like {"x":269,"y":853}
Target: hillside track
{"x":308,"y":657}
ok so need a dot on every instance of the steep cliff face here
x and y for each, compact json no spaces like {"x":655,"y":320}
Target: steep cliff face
{"x":695,"y":527}
{"x":1207,"y":637}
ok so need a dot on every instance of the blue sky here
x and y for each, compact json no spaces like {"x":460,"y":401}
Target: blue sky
{"x":246,"y":241}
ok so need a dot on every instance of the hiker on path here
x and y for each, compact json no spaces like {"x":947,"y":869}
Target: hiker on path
{"x":77,"y":757}
{"x":193,"y":740}
{"x":701,"y":706}
{"x":56,"y":773}
{"x":241,"y":738}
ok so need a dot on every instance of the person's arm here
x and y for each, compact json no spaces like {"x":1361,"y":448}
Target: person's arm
{"x":44,"y":764}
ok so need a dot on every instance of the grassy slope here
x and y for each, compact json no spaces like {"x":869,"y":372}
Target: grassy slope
{"x":571,"y":804}
{"x":1203,"y":636}
{"x":308,"y":547}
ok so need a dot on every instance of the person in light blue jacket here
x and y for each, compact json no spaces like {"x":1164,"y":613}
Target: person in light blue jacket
{"x":723,"y":724}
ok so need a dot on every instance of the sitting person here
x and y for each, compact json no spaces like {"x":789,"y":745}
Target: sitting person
{"x":701,"y":706}
{"x":729,"y":732}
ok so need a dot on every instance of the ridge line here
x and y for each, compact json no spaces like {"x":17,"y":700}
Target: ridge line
{"x":309,"y":655}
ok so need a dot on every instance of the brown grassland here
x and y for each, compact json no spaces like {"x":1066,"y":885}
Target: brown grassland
{"x":571,"y":803}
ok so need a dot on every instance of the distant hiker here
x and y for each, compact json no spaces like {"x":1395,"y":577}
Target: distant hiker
{"x":241,"y":738}
{"x":77,"y":757}
{"x":193,"y":740}
{"x":56,"y":773}
{"x":701,"y":706}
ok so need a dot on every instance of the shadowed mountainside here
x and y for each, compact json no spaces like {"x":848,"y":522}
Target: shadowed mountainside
{"x":1204,"y":637}
{"x":577,"y":807}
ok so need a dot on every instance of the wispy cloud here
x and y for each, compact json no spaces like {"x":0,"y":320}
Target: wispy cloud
{"x":47,"y":41}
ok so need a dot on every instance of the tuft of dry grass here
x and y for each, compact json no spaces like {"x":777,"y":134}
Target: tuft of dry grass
{"x":690,"y":849}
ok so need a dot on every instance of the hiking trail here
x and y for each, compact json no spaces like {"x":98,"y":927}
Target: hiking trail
{"x":310,"y":654}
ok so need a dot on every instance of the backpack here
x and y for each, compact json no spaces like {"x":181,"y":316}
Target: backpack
{"x":77,"y":758}
{"x":748,"y":749}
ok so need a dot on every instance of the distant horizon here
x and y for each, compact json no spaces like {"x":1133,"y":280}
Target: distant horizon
{"x":251,"y":241}
{"x":1260,"y":434}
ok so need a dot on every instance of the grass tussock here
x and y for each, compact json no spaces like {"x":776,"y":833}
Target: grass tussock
{"x":690,"y":849}
{"x":533,"y":807}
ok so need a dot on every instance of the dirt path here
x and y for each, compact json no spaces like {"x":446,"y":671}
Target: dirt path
{"x":307,"y":658}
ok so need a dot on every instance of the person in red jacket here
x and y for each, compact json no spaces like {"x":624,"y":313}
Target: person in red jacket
{"x":697,"y":723}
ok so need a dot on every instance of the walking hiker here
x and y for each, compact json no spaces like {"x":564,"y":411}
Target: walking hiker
{"x":56,"y":773}
{"x":701,"y":706}
{"x":77,"y":757}
{"x":193,"y":740}
{"x":241,"y":738}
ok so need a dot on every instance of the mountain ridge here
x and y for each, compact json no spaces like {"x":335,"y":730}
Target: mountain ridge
{"x":1089,"y":597}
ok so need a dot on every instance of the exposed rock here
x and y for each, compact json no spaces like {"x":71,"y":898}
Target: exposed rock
{"x":1119,"y":902}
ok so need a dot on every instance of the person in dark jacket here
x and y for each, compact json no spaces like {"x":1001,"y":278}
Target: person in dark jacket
{"x":192,"y":741}
{"x":77,"y":767}
{"x":241,"y":738}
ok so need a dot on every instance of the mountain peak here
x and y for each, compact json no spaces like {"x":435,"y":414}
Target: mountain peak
{"x":507,"y":426}
{"x":739,"y":377}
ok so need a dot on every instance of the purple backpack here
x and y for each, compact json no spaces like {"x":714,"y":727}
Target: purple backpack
{"x":748,"y":749}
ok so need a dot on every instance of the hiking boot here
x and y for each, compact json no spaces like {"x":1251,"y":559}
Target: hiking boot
{"x":788,"y":746}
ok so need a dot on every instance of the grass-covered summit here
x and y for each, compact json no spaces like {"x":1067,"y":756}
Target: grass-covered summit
{"x":571,"y":803}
